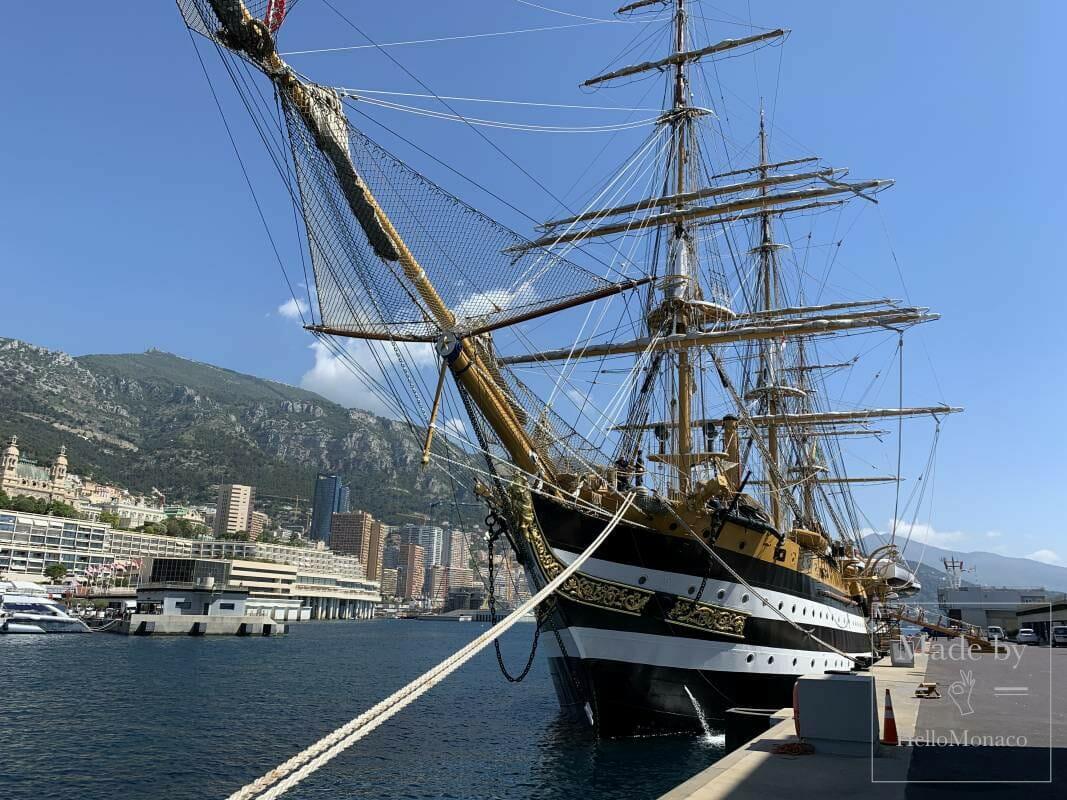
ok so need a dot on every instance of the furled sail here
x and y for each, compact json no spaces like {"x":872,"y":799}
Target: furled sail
{"x":376,"y":227}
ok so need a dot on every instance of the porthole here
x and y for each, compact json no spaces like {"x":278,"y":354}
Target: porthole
{"x":641,"y":581}
{"x":749,"y":658}
{"x":803,"y":612}
{"x":770,"y":659}
{"x":673,"y":526}
{"x":794,"y":662}
{"x":813,"y":662}
{"x":794,"y":609}
{"x":721,"y":594}
{"x":744,"y":598}
{"x":780,"y":604}
{"x":691,"y":589}
{"x":741,"y":546}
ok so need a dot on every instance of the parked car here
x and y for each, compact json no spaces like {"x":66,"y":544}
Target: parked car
{"x":1026,"y":636}
{"x":1059,"y":636}
{"x":995,"y":632}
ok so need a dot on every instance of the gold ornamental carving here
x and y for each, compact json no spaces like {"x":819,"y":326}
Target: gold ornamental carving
{"x":708,"y":617}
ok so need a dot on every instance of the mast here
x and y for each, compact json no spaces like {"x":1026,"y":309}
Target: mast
{"x":680,"y":284}
{"x":769,"y":349}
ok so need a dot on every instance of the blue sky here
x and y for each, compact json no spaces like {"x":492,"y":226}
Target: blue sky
{"x":126,"y":223}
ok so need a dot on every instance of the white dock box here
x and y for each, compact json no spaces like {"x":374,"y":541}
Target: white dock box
{"x":837,"y":713}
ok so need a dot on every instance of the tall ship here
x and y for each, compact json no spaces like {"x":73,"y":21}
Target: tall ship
{"x":656,"y":355}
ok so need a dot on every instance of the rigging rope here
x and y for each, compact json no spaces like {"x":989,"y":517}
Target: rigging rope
{"x":283,"y":777}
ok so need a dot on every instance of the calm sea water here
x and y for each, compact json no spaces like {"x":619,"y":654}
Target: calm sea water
{"x":104,"y":716}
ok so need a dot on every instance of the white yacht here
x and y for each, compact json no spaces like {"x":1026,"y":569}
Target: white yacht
{"x":26,"y":608}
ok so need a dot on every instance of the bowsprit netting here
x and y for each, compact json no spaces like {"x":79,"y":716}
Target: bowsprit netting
{"x":362,"y":290}
{"x":202,"y":18}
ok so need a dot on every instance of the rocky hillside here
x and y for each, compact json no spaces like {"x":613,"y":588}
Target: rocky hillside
{"x":155,"y":419}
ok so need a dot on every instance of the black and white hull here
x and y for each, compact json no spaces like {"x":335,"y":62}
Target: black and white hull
{"x":625,"y":659}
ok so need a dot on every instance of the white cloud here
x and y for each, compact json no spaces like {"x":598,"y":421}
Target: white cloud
{"x":456,"y":431}
{"x":293,"y":308}
{"x":334,"y":378}
{"x":1046,"y":557}
{"x":927,"y":534}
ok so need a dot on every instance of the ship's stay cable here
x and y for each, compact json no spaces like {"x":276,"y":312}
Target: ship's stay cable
{"x":244,"y":171}
{"x":287,"y":775}
{"x":445,"y":103}
{"x":437,"y":39}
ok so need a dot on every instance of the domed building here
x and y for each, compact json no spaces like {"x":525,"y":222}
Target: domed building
{"x":24,"y":477}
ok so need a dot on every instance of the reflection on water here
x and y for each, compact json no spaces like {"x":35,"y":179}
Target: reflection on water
{"x":102,"y":716}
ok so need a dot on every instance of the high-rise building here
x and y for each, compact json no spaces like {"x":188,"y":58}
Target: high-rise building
{"x":258,"y":521}
{"x":389,"y":583}
{"x":330,"y":497}
{"x":458,"y":549}
{"x":376,"y":552}
{"x":437,"y":584}
{"x":430,"y":538}
{"x":411,"y":571}
{"x":351,"y":534}
{"x":234,"y":510}
{"x":460,"y":578}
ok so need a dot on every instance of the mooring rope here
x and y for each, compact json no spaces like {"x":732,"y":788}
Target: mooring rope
{"x":285,"y":776}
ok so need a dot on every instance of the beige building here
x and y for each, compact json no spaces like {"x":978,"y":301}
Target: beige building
{"x":23,"y":477}
{"x":257,"y":524}
{"x":234,"y":510}
{"x":411,"y":571}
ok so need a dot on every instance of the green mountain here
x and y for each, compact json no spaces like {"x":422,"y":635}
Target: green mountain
{"x":157,"y":420}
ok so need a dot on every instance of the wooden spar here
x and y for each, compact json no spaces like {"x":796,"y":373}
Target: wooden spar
{"x":637,"y":5}
{"x":333,"y":330}
{"x":250,"y":37}
{"x":734,"y":333}
{"x":698,"y":194}
{"x":679,"y":58}
{"x":699,"y":212}
{"x":861,"y":479}
{"x":817,"y":418}
{"x":795,"y":310}
{"x":562,"y":305}
{"x":433,"y":413}
{"x":775,"y":165}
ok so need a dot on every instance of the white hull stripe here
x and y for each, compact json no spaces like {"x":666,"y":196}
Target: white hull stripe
{"x":711,"y":656}
{"x":723,"y":593}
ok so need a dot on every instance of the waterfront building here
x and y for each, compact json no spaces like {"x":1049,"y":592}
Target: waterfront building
{"x":234,"y":510}
{"x":429,"y":537}
{"x":285,"y":582}
{"x":992,"y":605}
{"x":258,"y":522}
{"x":410,"y":571}
{"x":331,"y":497}
{"x":389,"y":583}
{"x":21,"y":476}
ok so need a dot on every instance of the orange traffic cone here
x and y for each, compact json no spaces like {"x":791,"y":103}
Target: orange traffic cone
{"x":889,"y":729}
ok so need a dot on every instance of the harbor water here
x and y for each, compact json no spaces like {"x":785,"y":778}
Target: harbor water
{"x":101,"y":716}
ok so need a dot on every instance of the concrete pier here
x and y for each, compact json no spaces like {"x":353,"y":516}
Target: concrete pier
{"x":198,"y":625}
{"x":968,"y":746}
